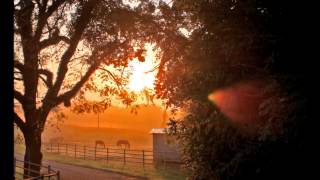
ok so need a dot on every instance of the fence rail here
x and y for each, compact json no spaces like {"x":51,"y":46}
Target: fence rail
{"x":144,"y":157}
{"x":46,"y":172}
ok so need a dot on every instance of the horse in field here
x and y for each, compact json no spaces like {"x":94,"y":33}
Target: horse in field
{"x":100,"y":142}
{"x":126,"y":144}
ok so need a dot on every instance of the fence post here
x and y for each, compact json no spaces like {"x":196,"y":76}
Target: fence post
{"x":49,"y":169}
{"x":124,"y":156}
{"x":58,"y":175}
{"x":58,"y":149}
{"x":84,"y":152}
{"x":107,"y":154}
{"x":66,"y":149}
{"x":95,"y":152}
{"x":75,"y":151}
{"x":143,"y":157}
{"x":51,"y":146}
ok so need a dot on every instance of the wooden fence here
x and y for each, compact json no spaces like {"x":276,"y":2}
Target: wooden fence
{"x":46,"y":172}
{"x":144,"y":157}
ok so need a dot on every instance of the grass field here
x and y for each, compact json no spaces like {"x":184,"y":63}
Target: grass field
{"x":110,"y":136}
{"x":172,"y":172}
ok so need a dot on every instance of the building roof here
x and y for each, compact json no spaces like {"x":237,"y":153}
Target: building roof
{"x":158,"y":131}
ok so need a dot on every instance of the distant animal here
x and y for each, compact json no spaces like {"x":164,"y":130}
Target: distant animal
{"x":99,"y":142}
{"x":123,"y":142}
{"x":56,"y":140}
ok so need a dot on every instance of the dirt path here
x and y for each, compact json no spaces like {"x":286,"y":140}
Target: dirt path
{"x":71,"y":172}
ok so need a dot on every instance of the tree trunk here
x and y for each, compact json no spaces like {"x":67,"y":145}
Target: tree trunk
{"x":33,"y":153}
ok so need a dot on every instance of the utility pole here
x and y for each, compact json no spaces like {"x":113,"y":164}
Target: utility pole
{"x":98,"y":120}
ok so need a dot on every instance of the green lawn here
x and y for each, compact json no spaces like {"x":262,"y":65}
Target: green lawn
{"x":159,"y":172}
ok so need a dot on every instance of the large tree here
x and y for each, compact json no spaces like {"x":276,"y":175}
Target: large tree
{"x":238,"y":50}
{"x":59,"y":44}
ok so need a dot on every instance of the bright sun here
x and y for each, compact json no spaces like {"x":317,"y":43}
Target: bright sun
{"x":143,"y":74}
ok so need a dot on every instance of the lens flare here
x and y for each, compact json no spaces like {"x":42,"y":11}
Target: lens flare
{"x":239,"y":102}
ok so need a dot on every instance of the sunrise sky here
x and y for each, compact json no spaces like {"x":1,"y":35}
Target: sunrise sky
{"x":141,"y":76}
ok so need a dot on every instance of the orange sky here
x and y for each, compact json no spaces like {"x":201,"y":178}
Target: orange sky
{"x":148,"y":117}
{"x":141,"y":75}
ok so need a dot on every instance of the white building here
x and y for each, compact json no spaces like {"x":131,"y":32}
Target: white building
{"x":164,"y":148}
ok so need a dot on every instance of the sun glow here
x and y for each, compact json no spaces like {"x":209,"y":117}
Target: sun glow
{"x":143,"y":74}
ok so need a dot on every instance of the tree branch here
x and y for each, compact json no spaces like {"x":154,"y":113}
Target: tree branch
{"x":81,"y":23}
{"x":49,"y":75}
{"x":19,"y":122}
{"x":53,"y":40}
{"x":96,"y":59}
{"x":19,"y":66}
{"x":66,"y":97}
{"x":113,"y":77}
{"x":21,"y":70}
{"x":39,"y":4}
{"x":55,"y":5}
{"x":21,"y":98}
{"x":24,"y":20}
{"x":44,"y":15}
{"x":18,"y":79}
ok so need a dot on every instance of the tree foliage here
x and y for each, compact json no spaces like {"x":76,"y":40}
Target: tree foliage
{"x":232,"y":42}
{"x":60,"y":44}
